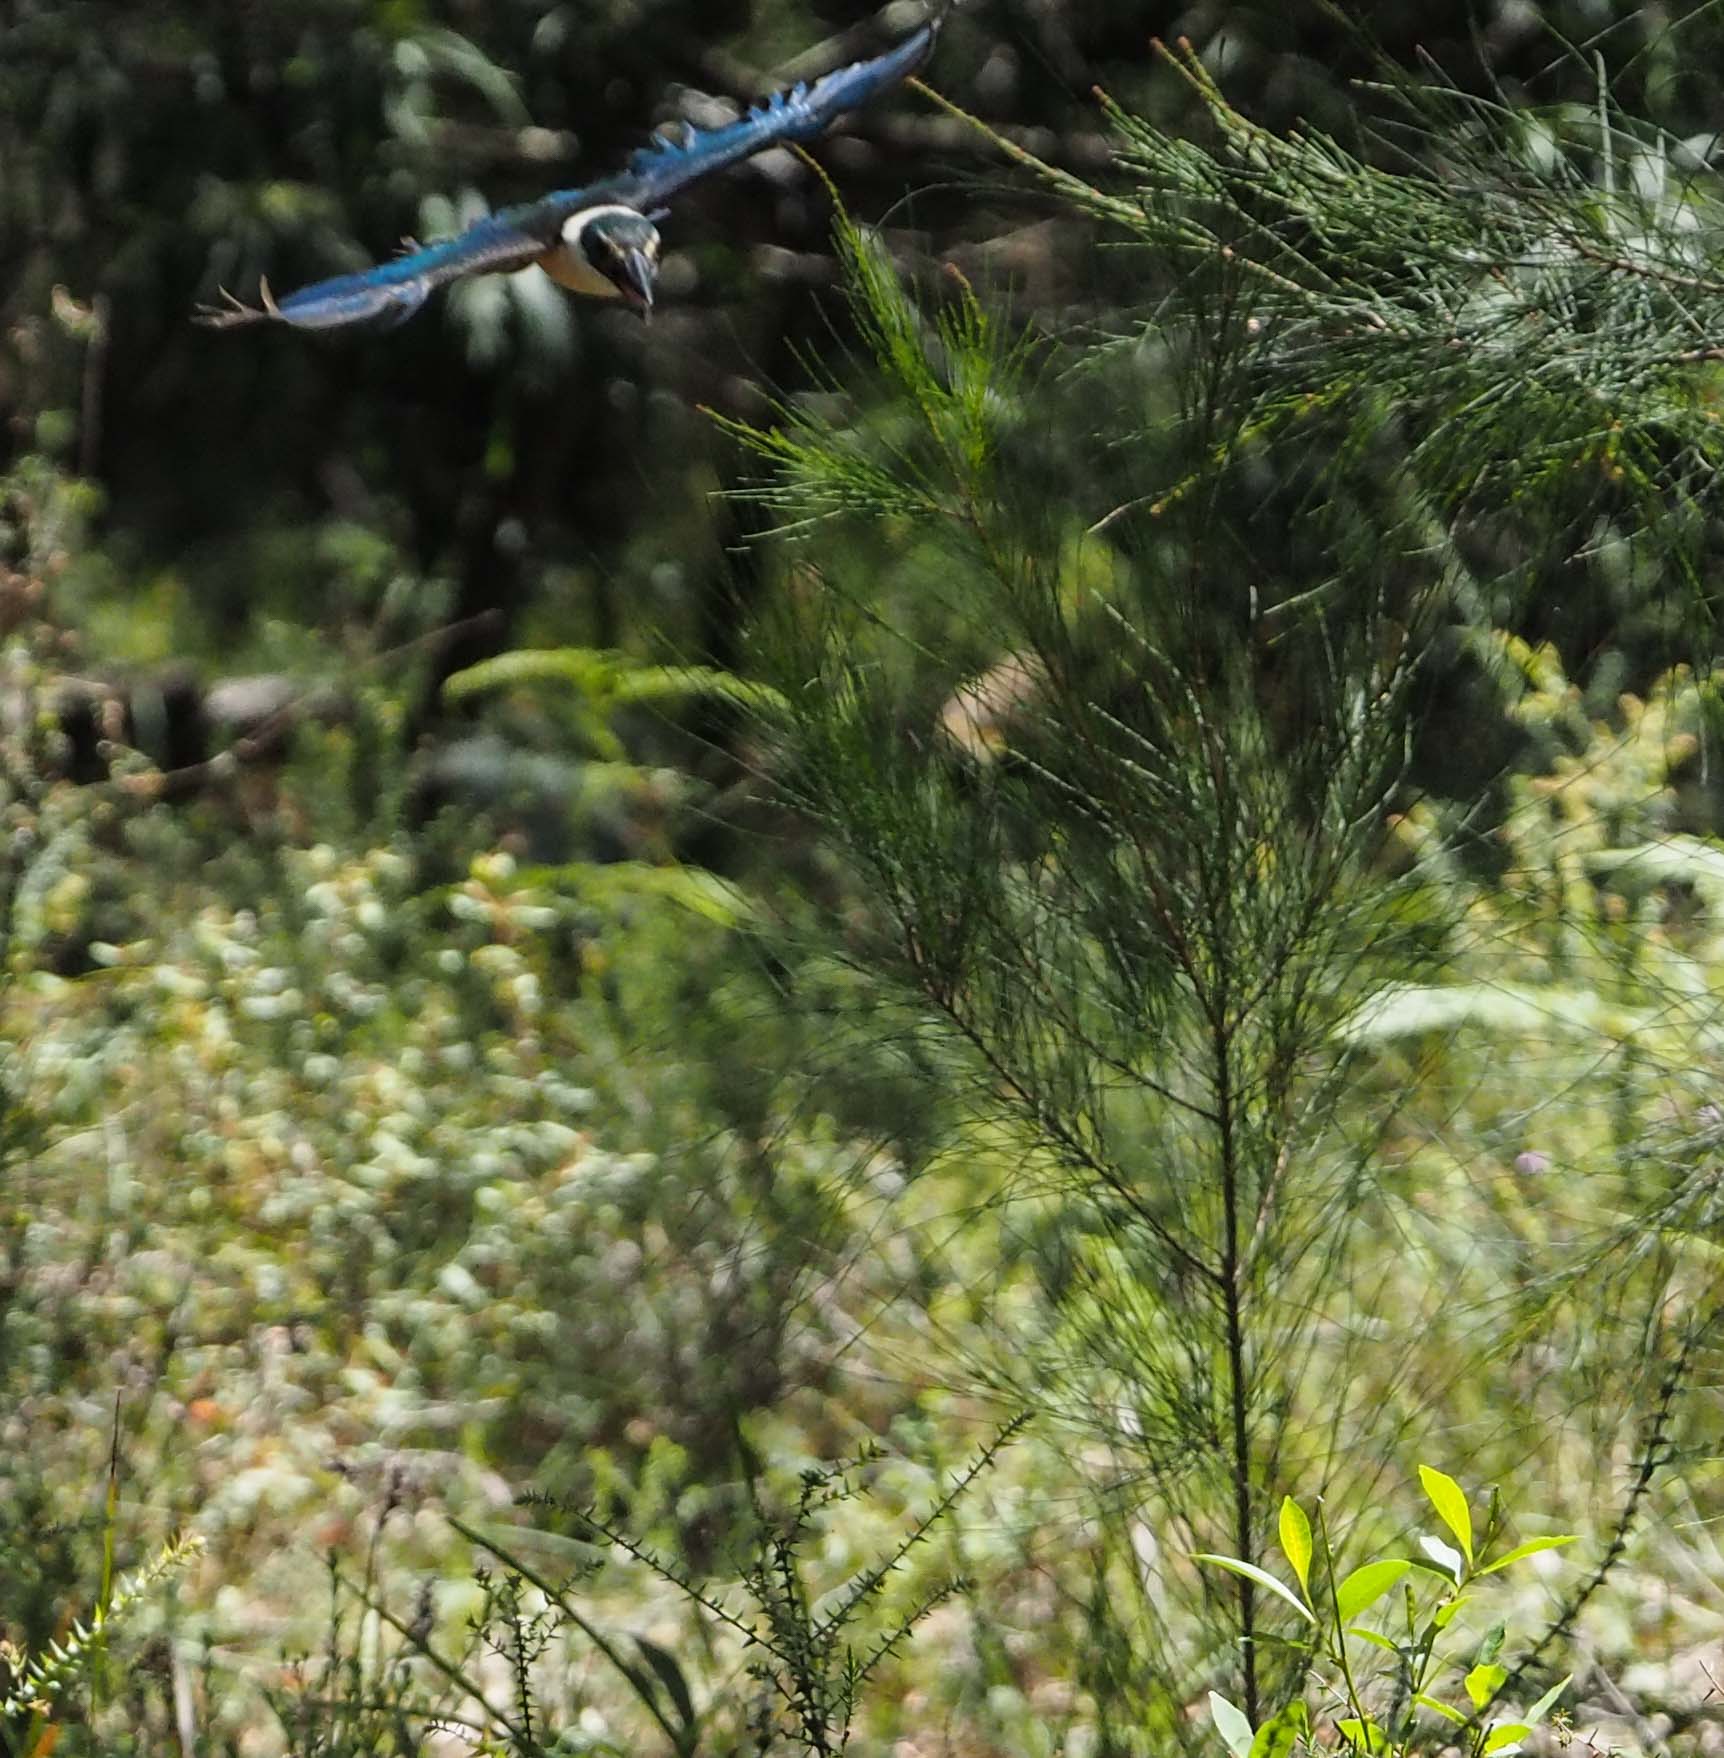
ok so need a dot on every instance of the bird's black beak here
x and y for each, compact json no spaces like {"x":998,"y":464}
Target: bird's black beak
{"x":639,"y":278}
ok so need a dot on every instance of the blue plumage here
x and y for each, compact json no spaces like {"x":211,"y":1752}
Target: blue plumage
{"x":595,"y":239}
{"x":657,"y":172}
{"x":393,"y":291}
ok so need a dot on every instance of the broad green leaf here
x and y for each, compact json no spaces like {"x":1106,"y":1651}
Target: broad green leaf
{"x":1262,"y":1577}
{"x":1296,"y":1540}
{"x":1491,"y":1644}
{"x":1363,"y":1736}
{"x":1231,"y":1724}
{"x":627,"y":882}
{"x":1484,"y":1681}
{"x":641,"y":1681}
{"x":608,"y":677}
{"x":1367,"y":1584}
{"x":1506,"y":1738}
{"x":1680,"y":860}
{"x":1519,"y":1009}
{"x":1450,"y":1501}
{"x":1375,"y":1637}
{"x":1444,"y":1615}
{"x":1531,"y":1548}
{"x":657,"y":683}
{"x":591,"y":670}
{"x":1547,"y":1702}
{"x":1447,"y":1711}
{"x":1446,"y":1557}
{"x":670,"y":1674}
{"x":1282,"y":1734}
{"x":449,"y":52}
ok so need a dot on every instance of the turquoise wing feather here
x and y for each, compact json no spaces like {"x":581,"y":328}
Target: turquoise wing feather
{"x":392,"y":291}
{"x":803,"y":113}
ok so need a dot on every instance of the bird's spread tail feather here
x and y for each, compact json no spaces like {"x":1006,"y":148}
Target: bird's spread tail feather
{"x":233,"y":312}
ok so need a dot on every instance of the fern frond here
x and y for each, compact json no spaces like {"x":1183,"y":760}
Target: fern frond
{"x":45,"y":1678}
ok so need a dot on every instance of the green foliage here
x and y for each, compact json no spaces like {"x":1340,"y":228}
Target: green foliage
{"x":38,"y":1687}
{"x":1380,"y":1711}
{"x":605,"y":679}
{"x":1180,"y":893}
{"x":1149,"y":864}
{"x":1524,"y":307}
{"x":956,"y":381}
{"x":808,"y":1674}
{"x":598,"y":684}
{"x":1137,"y":924}
{"x":811,"y":1672}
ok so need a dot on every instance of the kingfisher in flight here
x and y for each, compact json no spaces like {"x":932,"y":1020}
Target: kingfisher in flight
{"x":602,"y":241}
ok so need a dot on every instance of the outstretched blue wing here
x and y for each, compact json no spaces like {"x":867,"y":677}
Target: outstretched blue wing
{"x":517,"y":236}
{"x":657,"y":172}
{"x":394,"y":290}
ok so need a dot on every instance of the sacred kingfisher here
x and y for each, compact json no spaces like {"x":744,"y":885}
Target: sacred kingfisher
{"x":601,"y":241}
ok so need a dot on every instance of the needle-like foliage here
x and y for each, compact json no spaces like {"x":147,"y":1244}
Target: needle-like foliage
{"x":1114,"y":694}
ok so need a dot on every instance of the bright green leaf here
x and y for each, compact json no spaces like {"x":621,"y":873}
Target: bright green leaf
{"x":590,"y":670}
{"x":1446,"y":1557}
{"x":1296,"y":1540}
{"x":1262,"y":1577}
{"x":1506,"y":1738}
{"x":1444,"y":1615}
{"x":1282,"y":1734}
{"x":1547,"y":1702}
{"x":1450,"y":1501}
{"x":656,"y":683}
{"x":1447,"y":1711}
{"x":1374,"y":1637}
{"x":1363,"y":1736}
{"x":1231,"y":1724}
{"x":1366,"y":1585}
{"x":1484,"y":1681}
{"x":1531,"y":1548}
{"x":625,"y":883}
{"x":607,"y":677}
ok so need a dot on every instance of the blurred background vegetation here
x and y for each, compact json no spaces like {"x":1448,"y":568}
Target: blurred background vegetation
{"x":942,"y":835}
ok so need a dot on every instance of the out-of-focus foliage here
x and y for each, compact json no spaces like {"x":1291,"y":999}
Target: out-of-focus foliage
{"x":394,"y":1179}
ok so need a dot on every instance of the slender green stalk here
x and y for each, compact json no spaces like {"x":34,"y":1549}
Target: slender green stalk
{"x":1233,"y":1305}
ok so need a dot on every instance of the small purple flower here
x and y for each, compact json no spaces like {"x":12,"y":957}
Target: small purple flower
{"x":1530,"y":1163}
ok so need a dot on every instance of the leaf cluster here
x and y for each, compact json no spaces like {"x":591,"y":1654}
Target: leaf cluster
{"x":1381,"y":1716}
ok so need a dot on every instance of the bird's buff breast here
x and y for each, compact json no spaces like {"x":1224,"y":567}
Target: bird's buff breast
{"x":568,"y":268}
{"x":565,"y":263}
